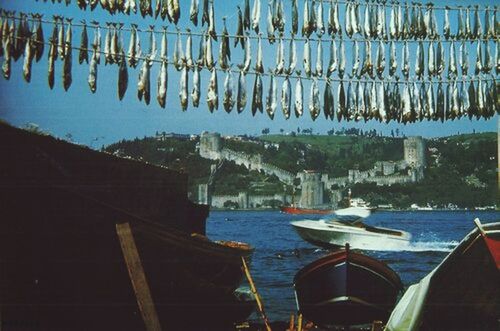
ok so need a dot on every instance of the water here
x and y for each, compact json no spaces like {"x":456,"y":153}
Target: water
{"x":274,"y":264}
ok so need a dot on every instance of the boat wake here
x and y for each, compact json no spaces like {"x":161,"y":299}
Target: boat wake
{"x":421,"y":246}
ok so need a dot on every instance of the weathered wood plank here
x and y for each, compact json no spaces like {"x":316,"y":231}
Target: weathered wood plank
{"x":138,"y":277}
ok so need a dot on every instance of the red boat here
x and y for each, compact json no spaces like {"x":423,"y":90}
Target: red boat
{"x":304,"y":211}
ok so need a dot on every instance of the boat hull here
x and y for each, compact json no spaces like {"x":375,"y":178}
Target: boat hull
{"x":346,"y":288}
{"x":320,"y":234}
{"x":305,"y":211}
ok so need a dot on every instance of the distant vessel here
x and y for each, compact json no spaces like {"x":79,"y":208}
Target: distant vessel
{"x":347,"y":226}
{"x":305,"y":211}
{"x":346,"y":288}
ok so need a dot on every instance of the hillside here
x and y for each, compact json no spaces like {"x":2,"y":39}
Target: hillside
{"x":461,"y":170}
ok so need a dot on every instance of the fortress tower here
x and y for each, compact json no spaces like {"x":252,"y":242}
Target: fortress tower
{"x":414,"y":150}
{"x":312,"y":189}
{"x":210,"y":145}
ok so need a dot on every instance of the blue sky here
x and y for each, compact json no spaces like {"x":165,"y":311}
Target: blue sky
{"x":97,"y":119}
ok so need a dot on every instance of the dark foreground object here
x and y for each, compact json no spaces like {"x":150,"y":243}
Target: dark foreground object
{"x":346,"y":288}
{"x":61,"y":263}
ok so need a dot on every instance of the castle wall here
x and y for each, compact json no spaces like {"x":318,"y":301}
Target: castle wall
{"x":246,"y":201}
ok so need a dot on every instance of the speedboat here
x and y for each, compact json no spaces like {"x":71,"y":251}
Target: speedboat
{"x":347,"y":226}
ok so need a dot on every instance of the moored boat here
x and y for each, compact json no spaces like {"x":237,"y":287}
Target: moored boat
{"x":346,"y":288}
{"x":346,"y":226}
{"x":304,"y":211}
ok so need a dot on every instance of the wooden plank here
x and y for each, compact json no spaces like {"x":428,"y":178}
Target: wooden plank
{"x":138,"y":277}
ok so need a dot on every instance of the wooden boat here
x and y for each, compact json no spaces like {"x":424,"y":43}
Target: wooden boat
{"x":304,"y":211}
{"x":462,"y":293}
{"x":346,"y":288}
{"x":62,"y":261}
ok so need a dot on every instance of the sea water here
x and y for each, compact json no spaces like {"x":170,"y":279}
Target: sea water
{"x":280,"y":252}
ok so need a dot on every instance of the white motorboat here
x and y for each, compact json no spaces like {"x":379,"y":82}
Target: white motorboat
{"x":347,"y":226}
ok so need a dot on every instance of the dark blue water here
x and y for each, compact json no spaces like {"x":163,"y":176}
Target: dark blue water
{"x":434,"y":234}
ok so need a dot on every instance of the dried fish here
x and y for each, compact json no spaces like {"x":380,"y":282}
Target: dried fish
{"x":361,"y":107}
{"x":351,"y":104}
{"x":193,"y":12}
{"x":28,"y":60}
{"x":367,"y":67}
{"x":130,"y":5}
{"x":319,"y":59}
{"x":488,"y":60}
{"x":209,"y":59}
{"x":497,"y":56}
{"x":355,"y":59}
{"x":295,"y":17}
{"x":333,"y":64}
{"x":292,"y":61}
{"x":270,"y":24}
{"x":68,"y":58}
{"x":431,"y":61}
{"x":489,"y":24}
{"x":393,"y":22}
{"x":38,"y":39}
{"x":213,"y":94}
{"x":382,"y":114}
{"x":461,"y":25}
{"x":205,"y":17}
{"x":145,"y":8}
{"x":114,"y":48}
{"x":248,"y":56}
{"x":355,"y":21}
{"x":348,"y":20}
{"x":257,"y":95}
{"x":195,"y":93}
{"x":84,"y":45}
{"x":429,"y":107}
{"x":174,"y":11}
{"x":178,"y":58}
{"x":92,"y":79}
{"x":478,"y":29}
{"x":280,"y":58}
{"x":341,"y":101}
{"x":342,"y":59}
{"x":189,"y":50}
{"x":328,"y":101}
{"x":256,"y":15}
{"x":134,"y":50}
{"x":108,"y":58}
{"x":313,"y":21}
{"x":367,"y":24}
{"x":479,"y":56}
{"x":307,"y":58}
{"x":224,"y":49}
{"x":122,"y":75}
{"x":393,"y":60}
{"x":241,"y":98}
{"x":314,"y":100}
{"x":381,"y":59}
{"x":211,"y":23}
{"x":183,"y":92}
{"x":468,"y":32}
{"x":299,"y":97}
{"x":320,"y":25}
{"x":446,"y":26}
{"x":305,"y":27}
{"x":332,"y":11}
{"x":405,"y":30}
{"x":259,"y":66}
{"x":464,"y":99}
{"x":143,"y":85}
{"x":406,"y":115}
{"x":152,"y":43}
{"x":228,"y":100}
{"x":158,"y":7}
{"x":286,"y":98}
{"x":279,"y":23}
{"x":239,"y":36}
{"x":246,"y":16}
{"x":381,"y":26}
{"x":60,"y":40}
{"x":271,"y":99}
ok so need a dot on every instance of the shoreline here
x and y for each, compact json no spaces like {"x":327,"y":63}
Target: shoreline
{"x":377,"y":210}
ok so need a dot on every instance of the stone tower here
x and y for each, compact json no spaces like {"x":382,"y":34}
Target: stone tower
{"x":210,"y":145}
{"x":312,"y":189}
{"x":414,"y":150}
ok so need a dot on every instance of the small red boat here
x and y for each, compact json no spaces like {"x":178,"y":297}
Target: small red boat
{"x":304,"y":211}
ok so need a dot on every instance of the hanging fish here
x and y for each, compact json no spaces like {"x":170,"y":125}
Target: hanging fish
{"x":480,"y":100}
{"x":164,"y":12}
{"x":489,"y":26}
{"x":314,"y":100}
{"x":213,"y":92}
{"x":189,"y":50}
{"x":292,"y":61}
{"x":355,"y":59}
{"x":158,"y":7}
{"x":464,"y":99}
{"x":145,"y":8}
{"x":405,"y":29}
{"x":259,"y":66}
{"x":468,"y":31}
{"x":361,"y":106}
{"x":320,"y":25}
{"x":134,"y":50}
{"x":422,"y":31}
{"x":319,"y":59}
{"x":419,"y":61}
{"x":39,"y":39}
{"x":430,"y":103}
{"x":205,"y":17}
{"x":488,"y":60}
{"x":393,"y":28}
{"x":122,"y":75}
{"x":115,"y":47}
{"x":380,"y":28}
{"x":193,"y":12}
{"x":367,"y":24}
{"x":28,"y":60}
{"x":313,"y":21}
{"x":271,"y":99}
{"x":342,"y":59}
{"x":108,"y":58}
{"x":355,"y":21}
{"x":299,"y":97}
{"x":256,"y":16}
{"x":367,"y":67}
{"x":60,"y":40}
{"x":162,"y":85}
{"x":479,"y":56}
{"x":440,"y":103}
{"x":183,"y":91}
{"x":464,"y":58}
{"x":257,"y":95}
{"x":68,"y":58}
{"x":382,"y":114}
{"x":225,"y":40}
{"x":152,"y":43}
{"x":331,"y":17}
{"x":270,"y":24}
{"x":381,"y":59}
{"x":174,"y":11}
{"x":143,"y":85}
{"x":295,"y":17}
{"x":446,"y":26}
{"x":178,"y":58}
{"x":130,"y":5}
{"x":92,"y":79}
{"x":431,"y":63}
{"x":280,"y":18}
{"x":241,"y":97}
{"x":246,"y":16}
{"x":305,"y":26}
{"x":239,"y":36}
{"x":393,"y":61}
{"x":333,"y":64}
{"x":228,"y":100}
{"x":120,"y":4}
{"x":497,"y":56}
{"x":478,"y":29}
{"x":84,"y":45}
{"x":248,"y":56}
{"x":461,"y":24}
{"x":341,"y":101}
{"x":348,"y":22}
{"x":328,"y":101}
{"x":286,"y":98}
{"x":195,"y":93}
{"x":211,"y":23}
{"x":280,"y":58}
{"x":406,"y":115}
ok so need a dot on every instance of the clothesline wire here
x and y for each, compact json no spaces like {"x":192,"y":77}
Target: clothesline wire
{"x":323,"y":40}
{"x":330,"y":79}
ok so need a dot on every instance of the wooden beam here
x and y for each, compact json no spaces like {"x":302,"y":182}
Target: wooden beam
{"x":138,"y":277}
